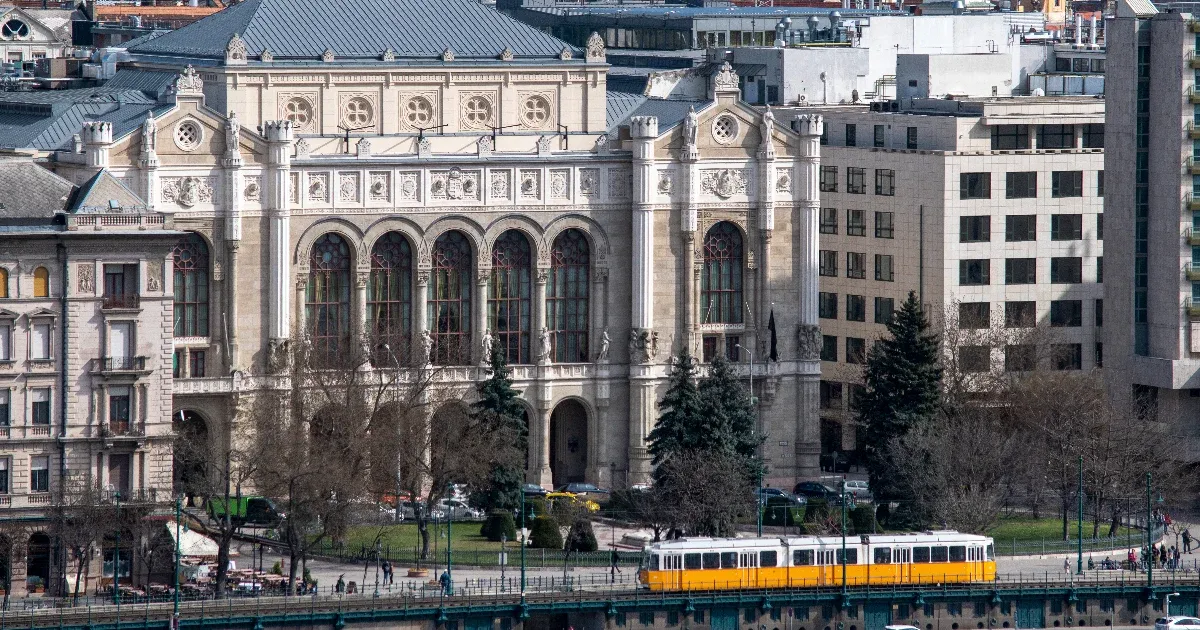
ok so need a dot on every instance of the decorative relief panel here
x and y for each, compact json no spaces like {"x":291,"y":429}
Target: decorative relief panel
{"x":500,"y":184}
{"x":478,"y":110}
{"x":348,"y":187}
{"x":619,"y":183}
{"x":86,"y":274}
{"x":723,"y":183}
{"x":783,"y":180}
{"x":531,"y":184}
{"x":455,"y":184}
{"x":252,"y":191}
{"x":381,"y":186}
{"x":666,"y":181}
{"x":294,"y":188}
{"x":357,"y":110}
{"x":410,"y":185}
{"x":318,"y":187}
{"x":536,"y":109}
{"x":418,"y":110}
{"x":589,"y":181}
{"x":154,"y":272}
{"x":560,"y":184}
{"x":187,"y":191}
{"x":301,"y":109}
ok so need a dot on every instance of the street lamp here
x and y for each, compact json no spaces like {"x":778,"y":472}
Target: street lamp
{"x":178,"y":546}
{"x":396,"y":361}
{"x":754,"y":402}
{"x":1167,"y":603}
{"x":117,"y":554}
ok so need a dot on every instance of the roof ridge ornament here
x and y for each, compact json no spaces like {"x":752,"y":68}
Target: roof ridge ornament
{"x":595,"y":47}
{"x":266,"y":56}
{"x":725,"y":80}
{"x":447,"y":55}
{"x":506,"y":54}
{"x":388,"y":55}
{"x":189,"y":83}
{"x":235,"y":51}
{"x":566,"y":54}
{"x":327,"y":56}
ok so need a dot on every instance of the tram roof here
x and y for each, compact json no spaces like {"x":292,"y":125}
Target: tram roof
{"x":704,"y":543}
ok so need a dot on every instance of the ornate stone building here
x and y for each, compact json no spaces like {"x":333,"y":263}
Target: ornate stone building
{"x":456,"y":191}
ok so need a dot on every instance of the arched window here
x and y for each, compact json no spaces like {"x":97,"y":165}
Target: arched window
{"x":721,"y":280}
{"x":327,"y":298}
{"x":449,"y":306}
{"x":191,"y":287}
{"x":510,"y":309}
{"x":3,"y":282}
{"x":567,"y":297}
{"x":389,"y":292}
{"x":41,"y":282}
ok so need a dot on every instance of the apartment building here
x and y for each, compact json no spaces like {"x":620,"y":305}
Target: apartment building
{"x":989,"y":209}
{"x":85,"y":347}
{"x":1155,"y":322}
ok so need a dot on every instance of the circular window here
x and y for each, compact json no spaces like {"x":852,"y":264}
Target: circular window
{"x":299,"y":111}
{"x":188,"y":135}
{"x":725,"y":129}
{"x":358,"y":113}
{"x":477,"y":112}
{"x":14,"y":29}
{"x":418,"y":111}
{"x":535,"y":112}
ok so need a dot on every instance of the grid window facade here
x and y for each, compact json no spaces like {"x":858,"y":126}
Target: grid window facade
{"x":885,"y":224}
{"x":885,"y":182}
{"x":1066,"y":356}
{"x":1020,"y":357}
{"x":1066,"y":184}
{"x":975,"y":186}
{"x":828,"y":263}
{"x":327,"y":296}
{"x":389,"y":292}
{"x":1020,"y":271}
{"x":1066,"y":270}
{"x":856,"y":350}
{"x":880,"y":135}
{"x":851,"y":135}
{"x":856,"y":308}
{"x":856,"y":180}
{"x":1056,"y":137}
{"x":1020,"y":227}
{"x":1020,"y":314}
{"x":911,"y":138}
{"x":827,"y":305}
{"x":1093,"y":136}
{"x":856,"y":265}
{"x":884,"y":268}
{"x":1020,"y":185}
{"x":856,"y":223}
{"x":829,"y":221}
{"x":974,"y":315}
{"x":974,"y":359}
{"x":829,"y":348}
{"x":829,"y":179}
{"x":975,"y":229}
{"x":1066,"y":227}
{"x":974,"y":272}
{"x":885,"y":309}
{"x":1066,"y":313}
{"x":1010,"y":137}
{"x":191,"y":286}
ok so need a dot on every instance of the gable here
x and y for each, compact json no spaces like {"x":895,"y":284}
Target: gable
{"x":38,"y":33}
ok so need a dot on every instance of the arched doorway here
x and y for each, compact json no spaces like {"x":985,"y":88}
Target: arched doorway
{"x":568,"y":442}
{"x":191,"y":453}
{"x":38,"y":569}
{"x":6,"y":549}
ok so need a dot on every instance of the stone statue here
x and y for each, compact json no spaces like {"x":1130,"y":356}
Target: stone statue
{"x":488,"y":342}
{"x":768,"y":125}
{"x":233,"y":133}
{"x":691,"y":126}
{"x":149,"y":134}
{"x":605,"y":341}
{"x":189,"y":192}
{"x":427,"y":346}
{"x":544,"y":348}
{"x":808,"y":343}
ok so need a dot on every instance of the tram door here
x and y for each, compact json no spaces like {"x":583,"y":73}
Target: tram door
{"x":672,"y":572}
{"x":903,"y":556}
{"x":825,"y":572}
{"x":748,"y":563}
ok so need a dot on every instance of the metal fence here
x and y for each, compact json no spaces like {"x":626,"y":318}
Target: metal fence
{"x":534,"y":558}
{"x":1121,"y":545}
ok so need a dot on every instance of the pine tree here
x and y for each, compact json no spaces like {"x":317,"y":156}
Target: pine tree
{"x":903,"y":383}
{"x":680,"y":411}
{"x":729,"y":422}
{"x":499,"y":407}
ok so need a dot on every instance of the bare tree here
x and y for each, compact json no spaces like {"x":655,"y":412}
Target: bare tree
{"x":81,"y":520}
{"x":706,"y":491}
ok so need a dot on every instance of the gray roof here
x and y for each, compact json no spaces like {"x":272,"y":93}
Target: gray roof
{"x":154,"y":83}
{"x":104,"y":193}
{"x":48,"y":120}
{"x":357,"y":29}
{"x":30,"y":194}
{"x":668,"y":112}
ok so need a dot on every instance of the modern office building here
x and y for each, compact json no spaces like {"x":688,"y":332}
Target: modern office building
{"x":989,"y":209}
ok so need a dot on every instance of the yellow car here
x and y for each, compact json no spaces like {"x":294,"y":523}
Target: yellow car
{"x":588,"y":504}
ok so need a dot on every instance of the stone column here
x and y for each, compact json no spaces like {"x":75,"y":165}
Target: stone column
{"x":279,"y":324}
{"x":232,"y":165}
{"x":1033,"y":137}
{"x":806,"y":197}
{"x":539,"y":314}
{"x":540,"y":472}
{"x":360,"y":303}
{"x":480,"y":322}
{"x":689,"y":222}
{"x":420,"y":325}
{"x":642,"y":399}
{"x":766,"y":226}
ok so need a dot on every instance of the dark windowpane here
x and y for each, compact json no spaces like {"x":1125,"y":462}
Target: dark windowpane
{"x":1020,"y":271}
{"x":1021,"y":227}
{"x":974,"y":272}
{"x":1010,"y":137}
{"x":448,"y":304}
{"x":1020,"y":314}
{"x":1066,"y":184}
{"x":721,"y":277}
{"x":389,"y":296}
{"x":974,"y":229}
{"x":191,"y":286}
{"x":1056,"y":136}
{"x":567,"y":296}
{"x":975,"y":185}
{"x":856,"y":180}
{"x":1019,"y":358}
{"x":856,"y":308}
{"x":1066,"y":270}
{"x":1020,"y":185}
{"x":1066,"y":227}
{"x":974,"y":315}
{"x":1066,"y":313}
{"x":974,"y":358}
{"x":327,"y":296}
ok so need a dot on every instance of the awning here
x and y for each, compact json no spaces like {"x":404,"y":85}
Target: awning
{"x":745,"y":70}
{"x":193,"y":545}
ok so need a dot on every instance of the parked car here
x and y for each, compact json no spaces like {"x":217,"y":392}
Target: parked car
{"x":584,"y":489}
{"x":1177,"y":623}
{"x":814,"y":490}
{"x":409,"y":509}
{"x":533,"y":490}
{"x":766,"y":495}
{"x":459,"y":510}
{"x":859,"y":489}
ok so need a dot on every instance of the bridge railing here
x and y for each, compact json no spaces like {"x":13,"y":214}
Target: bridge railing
{"x":1107,"y":544}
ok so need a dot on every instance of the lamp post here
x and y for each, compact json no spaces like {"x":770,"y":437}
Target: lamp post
{"x":843,"y":500}
{"x":1167,"y":603}
{"x":1079,"y":556}
{"x":754,"y":402}
{"x":503,"y":559}
{"x":523,"y":541}
{"x":117,"y":553}
{"x":1149,"y":534}
{"x":178,"y":546}
{"x":449,"y":538}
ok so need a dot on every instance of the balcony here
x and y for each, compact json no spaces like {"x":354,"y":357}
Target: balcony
{"x":1192,"y":308}
{"x":1193,"y":166}
{"x":1191,"y":203}
{"x":141,"y":495}
{"x":121,"y":429}
{"x":1194,"y":26}
{"x":1193,"y":131}
{"x":1192,"y":271}
{"x":1193,"y":96}
{"x":121,"y":301}
{"x":122,"y":364}
{"x":1192,"y":236}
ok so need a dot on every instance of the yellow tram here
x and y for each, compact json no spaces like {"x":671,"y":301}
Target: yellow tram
{"x":815,"y":561}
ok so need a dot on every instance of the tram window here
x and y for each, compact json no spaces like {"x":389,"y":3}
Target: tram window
{"x":883,"y":555}
{"x":851,"y":556}
{"x":920,"y":554}
{"x":937,"y":554}
{"x":654,"y":562}
{"x":958,"y":553}
{"x":712,"y":561}
{"x":729,"y":560}
{"x":991,"y":552}
{"x":802,"y":557}
{"x":691,"y":561}
{"x":768,"y":558}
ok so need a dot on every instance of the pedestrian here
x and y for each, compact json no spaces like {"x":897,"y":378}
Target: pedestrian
{"x":447,"y":588}
{"x":1162,"y":554}
{"x":387,"y":572}
{"x":1132,"y":558}
{"x":340,"y":587}
{"x":1066,"y":565}
{"x":1187,"y":541}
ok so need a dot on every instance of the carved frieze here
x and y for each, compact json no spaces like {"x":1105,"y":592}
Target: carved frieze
{"x":589,"y":181}
{"x":348,"y":187}
{"x":454,"y":185}
{"x":531,"y":180}
{"x":318,"y":187}
{"x":783,"y":180}
{"x":409,"y":185}
{"x":499,"y":183}
{"x":86,"y":278}
{"x":187,"y":191}
{"x":381,"y":186}
{"x":723,"y":183}
{"x":252,"y":191}
{"x":560,"y":183}
{"x":294,"y":186}
{"x":619,"y":185}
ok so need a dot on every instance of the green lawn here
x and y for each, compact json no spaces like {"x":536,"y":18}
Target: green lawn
{"x":405,"y":536}
{"x":1025,"y":535}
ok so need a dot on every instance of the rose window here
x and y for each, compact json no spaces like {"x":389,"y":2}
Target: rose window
{"x":299,"y":111}
{"x":725,"y":129}
{"x":358,"y":113}
{"x":14,"y":29}
{"x":536,"y":111}
{"x":187,"y":135}
{"x":418,"y":111}
{"x":477,"y":112}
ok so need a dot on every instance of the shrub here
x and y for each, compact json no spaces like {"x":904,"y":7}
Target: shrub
{"x":498,"y":523}
{"x":544,"y":534}
{"x":581,"y":537}
{"x":817,"y":510}
{"x":781,"y":513}
{"x":862,"y":519}
{"x":277,"y":568}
